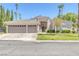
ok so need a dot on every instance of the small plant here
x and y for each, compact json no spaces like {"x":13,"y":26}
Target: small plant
{"x":50,"y":31}
{"x":53,"y":31}
{"x":65,"y":31}
{"x":73,"y":32}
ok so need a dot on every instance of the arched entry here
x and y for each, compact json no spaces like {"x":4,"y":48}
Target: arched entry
{"x":43,"y":28}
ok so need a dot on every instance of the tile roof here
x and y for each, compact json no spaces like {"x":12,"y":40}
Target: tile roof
{"x":22,"y":22}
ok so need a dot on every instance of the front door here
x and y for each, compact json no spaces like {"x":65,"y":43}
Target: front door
{"x":43,"y":25}
{"x":43,"y":29}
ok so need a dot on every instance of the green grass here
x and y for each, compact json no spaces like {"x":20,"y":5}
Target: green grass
{"x":58,"y":36}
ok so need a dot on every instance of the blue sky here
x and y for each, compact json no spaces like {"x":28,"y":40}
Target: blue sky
{"x":30,"y":10}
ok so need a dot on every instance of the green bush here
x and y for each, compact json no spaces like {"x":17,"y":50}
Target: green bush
{"x":57,"y":31}
{"x":65,"y":31}
{"x":73,"y":32}
{"x":50,"y":31}
{"x":53,"y":31}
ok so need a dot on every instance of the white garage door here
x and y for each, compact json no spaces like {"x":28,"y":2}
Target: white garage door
{"x":17,"y":29}
{"x":32,"y":28}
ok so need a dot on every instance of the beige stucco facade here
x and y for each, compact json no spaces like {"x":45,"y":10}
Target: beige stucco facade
{"x":39,"y":24}
{"x":35,"y":25}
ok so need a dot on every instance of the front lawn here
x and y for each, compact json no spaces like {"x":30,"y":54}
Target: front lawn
{"x":58,"y":36}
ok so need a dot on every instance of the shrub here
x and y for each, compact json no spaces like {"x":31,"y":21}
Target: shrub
{"x":65,"y":31}
{"x":73,"y":31}
{"x":57,"y":31}
{"x":53,"y":31}
{"x":50,"y":31}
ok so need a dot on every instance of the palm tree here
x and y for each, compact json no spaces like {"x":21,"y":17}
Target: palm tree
{"x":16,"y":13}
{"x":20,"y":16}
{"x":7,"y":15}
{"x":12,"y":15}
{"x":60,"y":7}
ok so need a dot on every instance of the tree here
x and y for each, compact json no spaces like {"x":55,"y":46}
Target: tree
{"x":60,"y":7}
{"x":57,"y":23}
{"x":2,"y":15}
{"x":11,"y":18}
{"x":7,"y":15}
{"x":71,"y":17}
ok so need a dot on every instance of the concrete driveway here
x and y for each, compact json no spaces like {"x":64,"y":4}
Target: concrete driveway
{"x":24,"y":48}
{"x":19,"y":36}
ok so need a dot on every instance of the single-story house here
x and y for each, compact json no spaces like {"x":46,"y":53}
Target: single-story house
{"x":35,"y":25}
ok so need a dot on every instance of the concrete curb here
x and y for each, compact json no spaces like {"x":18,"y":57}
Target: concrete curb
{"x":57,"y":41}
{"x":38,"y":41}
{"x":41,"y":41}
{"x":51,"y":40}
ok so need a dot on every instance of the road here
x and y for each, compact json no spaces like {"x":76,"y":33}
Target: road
{"x":24,"y":48}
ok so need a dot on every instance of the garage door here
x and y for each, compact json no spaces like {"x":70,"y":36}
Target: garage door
{"x":16,"y":28}
{"x":32,"y":28}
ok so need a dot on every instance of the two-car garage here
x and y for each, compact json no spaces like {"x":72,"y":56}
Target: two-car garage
{"x":22,"y":27}
{"x":16,"y":28}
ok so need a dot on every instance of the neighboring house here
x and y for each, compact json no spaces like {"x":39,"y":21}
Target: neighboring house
{"x":35,"y":25}
{"x":61,"y":26}
{"x":66,"y":25}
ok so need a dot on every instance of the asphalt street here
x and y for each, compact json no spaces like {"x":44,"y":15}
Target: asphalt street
{"x":24,"y":48}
